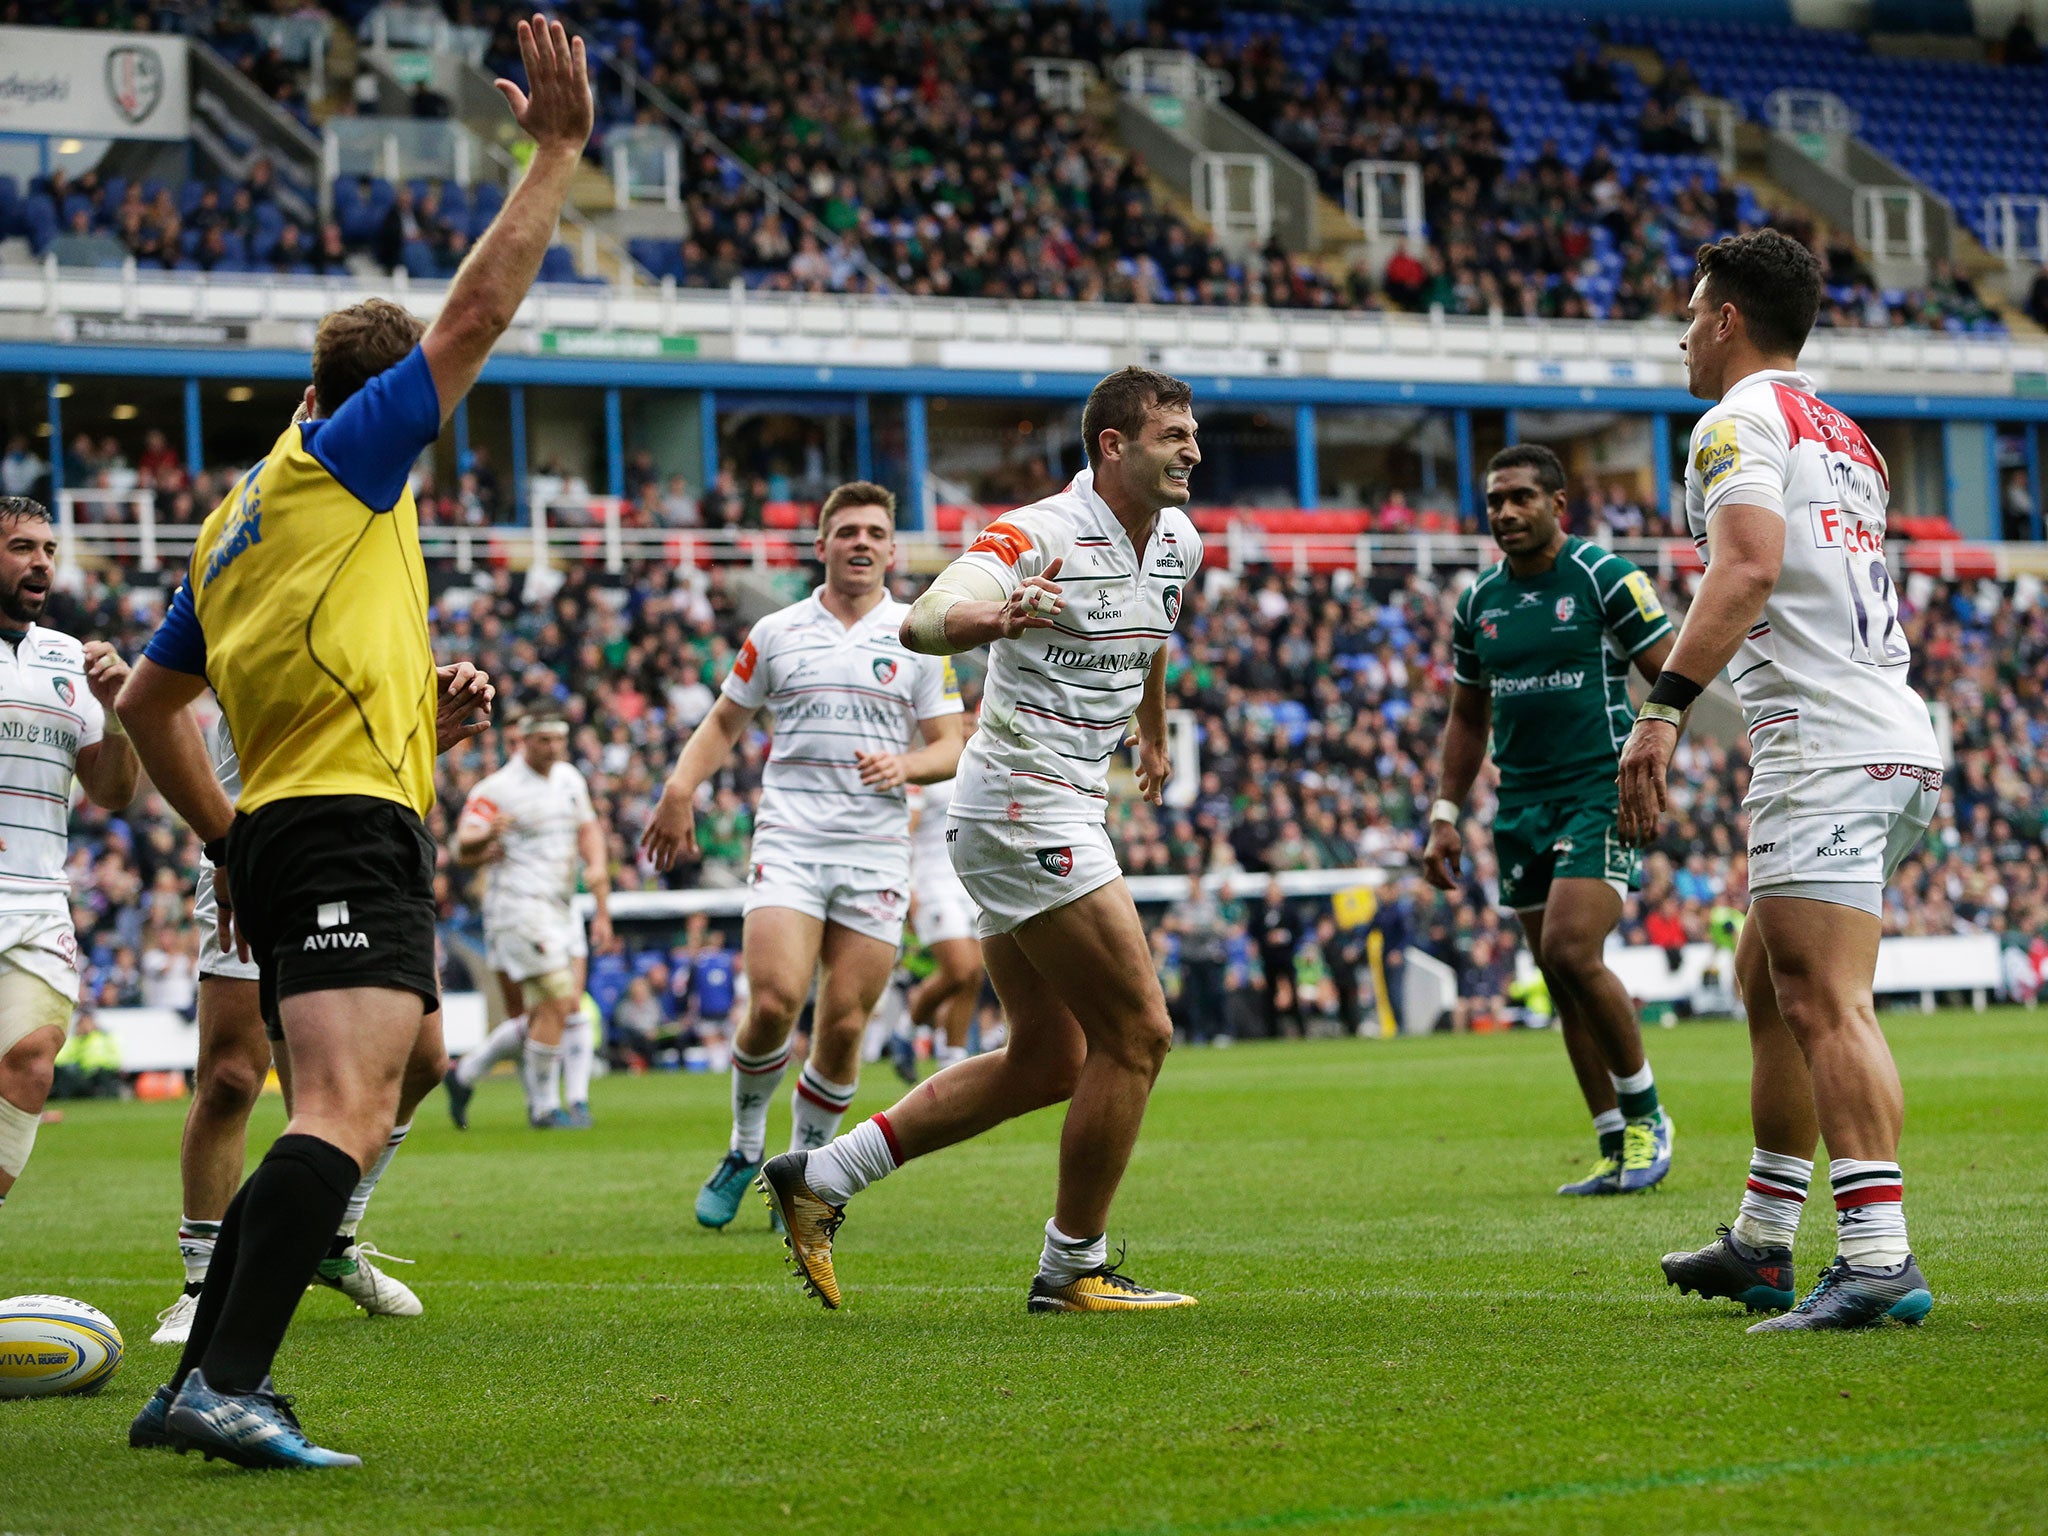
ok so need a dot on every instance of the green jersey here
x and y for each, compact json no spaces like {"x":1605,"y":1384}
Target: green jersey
{"x":1554,"y":652}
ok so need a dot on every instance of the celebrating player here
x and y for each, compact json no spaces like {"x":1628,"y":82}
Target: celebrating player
{"x":306,"y":608}
{"x":942,"y":916}
{"x":831,"y":854}
{"x":1068,"y":677}
{"x":235,"y":1052}
{"x":527,"y":825}
{"x":55,"y":698}
{"x":1787,"y":499}
{"x":1540,"y":648}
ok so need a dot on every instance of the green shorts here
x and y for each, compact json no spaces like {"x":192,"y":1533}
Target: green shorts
{"x":1560,"y":840}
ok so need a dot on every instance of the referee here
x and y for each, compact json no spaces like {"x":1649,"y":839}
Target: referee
{"x":306,"y":610}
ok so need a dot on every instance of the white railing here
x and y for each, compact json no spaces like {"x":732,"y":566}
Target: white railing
{"x":1368,"y":203}
{"x":422,"y":27}
{"x":2016,"y":227}
{"x":1713,"y":120}
{"x":1891,"y":221}
{"x":397,"y":149}
{"x":119,"y":525}
{"x":1168,"y":72}
{"x":1802,"y":113}
{"x":646,"y":165}
{"x":1234,"y":193}
{"x":1062,"y":83}
{"x":298,"y":40}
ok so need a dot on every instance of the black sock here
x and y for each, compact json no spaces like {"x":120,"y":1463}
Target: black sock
{"x":339,"y":1246}
{"x":220,"y":1269}
{"x":295,"y":1200}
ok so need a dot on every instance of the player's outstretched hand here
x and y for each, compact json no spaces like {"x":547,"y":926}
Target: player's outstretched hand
{"x":464,"y":711}
{"x":880,"y":770}
{"x":105,"y":672}
{"x":1034,"y":603}
{"x":1644,"y":763}
{"x":671,"y":834}
{"x":555,"y":108}
{"x":1443,"y":856}
{"x":1155,"y":767}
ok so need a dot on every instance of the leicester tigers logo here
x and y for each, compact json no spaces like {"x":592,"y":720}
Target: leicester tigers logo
{"x":64,"y":689}
{"x":1171,"y":598}
{"x":885,"y":669}
{"x":1057,"y":861}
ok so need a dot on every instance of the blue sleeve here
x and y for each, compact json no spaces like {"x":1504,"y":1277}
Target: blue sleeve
{"x":178,"y":643}
{"x":370,"y":443}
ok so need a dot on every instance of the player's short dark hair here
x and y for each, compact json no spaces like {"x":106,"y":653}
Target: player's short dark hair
{"x":16,"y":509}
{"x":1549,"y":469}
{"x":1772,"y":280}
{"x":356,"y":344}
{"x":856,"y":493}
{"x":1122,"y":402}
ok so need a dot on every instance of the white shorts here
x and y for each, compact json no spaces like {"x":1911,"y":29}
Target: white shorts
{"x":941,"y":910}
{"x":867,"y":901}
{"x":1013,"y":870}
{"x":1837,"y":826}
{"x":211,"y":961}
{"x":43,"y":945}
{"x":529,"y":944}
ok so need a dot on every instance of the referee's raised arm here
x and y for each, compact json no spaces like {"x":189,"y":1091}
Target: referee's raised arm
{"x":555,"y":111}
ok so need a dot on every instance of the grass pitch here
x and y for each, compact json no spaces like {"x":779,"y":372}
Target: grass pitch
{"x":1401,"y":1328}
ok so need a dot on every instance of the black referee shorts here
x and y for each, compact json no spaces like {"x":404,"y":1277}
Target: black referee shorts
{"x":334,"y":891}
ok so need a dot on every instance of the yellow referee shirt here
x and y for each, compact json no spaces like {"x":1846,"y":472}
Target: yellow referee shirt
{"x":308,"y":596}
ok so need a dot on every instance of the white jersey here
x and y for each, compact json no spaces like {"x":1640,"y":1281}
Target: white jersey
{"x":1822,"y":676}
{"x":830,"y":691}
{"x":540,"y":863}
{"x":928,"y":828}
{"x":1058,"y":701}
{"x":47,"y":716}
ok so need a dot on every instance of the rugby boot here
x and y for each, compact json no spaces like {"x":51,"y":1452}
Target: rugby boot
{"x":459,"y":1095}
{"x":1605,"y":1179}
{"x":174,"y":1323}
{"x":809,"y":1222}
{"x":1106,"y":1289}
{"x":1847,"y":1297}
{"x":1645,"y":1152}
{"x":150,"y":1429}
{"x":251,"y":1429}
{"x":362,"y":1282}
{"x":719,"y":1200}
{"x":1759,"y":1278}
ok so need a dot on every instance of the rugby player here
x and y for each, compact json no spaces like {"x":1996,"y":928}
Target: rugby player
{"x":942,"y":916}
{"x":56,"y":701}
{"x":306,"y":608}
{"x":1786,"y":499}
{"x":1540,"y":649}
{"x":1068,"y":677}
{"x":235,"y":1054}
{"x":527,"y":825}
{"x":828,"y":886}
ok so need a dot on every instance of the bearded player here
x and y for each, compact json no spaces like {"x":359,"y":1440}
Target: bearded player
{"x":1541,"y":646}
{"x":829,"y":881}
{"x":1075,"y":596}
{"x":1787,"y":499}
{"x":56,"y":712}
{"x":528,"y":826}
{"x":236,"y":1052}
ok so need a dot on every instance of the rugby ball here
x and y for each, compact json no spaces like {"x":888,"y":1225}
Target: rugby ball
{"x":51,"y":1345}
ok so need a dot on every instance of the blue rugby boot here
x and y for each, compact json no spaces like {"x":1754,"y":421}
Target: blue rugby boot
{"x":1848,"y":1297}
{"x":579,"y":1117}
{"x":554,"y":1120}
{"x":1759,"y":1278}
{"x":150,"y":1428}
{"x":1604,"y":1179}
{"x":719,"y":1200}
{"x":1645,"y":1152}
{"x":252,"y":1429}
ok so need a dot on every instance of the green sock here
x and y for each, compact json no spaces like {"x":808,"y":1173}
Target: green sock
{"x":1637,"y":1095}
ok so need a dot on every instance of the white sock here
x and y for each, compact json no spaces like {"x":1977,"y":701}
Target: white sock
{"x":754,"y":1081}
{"x":579,"y":1055}
{"x":1637,"y":1092}
{"x":195,"y":1247}
{"x":842,"y":1168}
{"x":1065,"y":1258}
{"x":816,"y":1107}
{"x":1772,"y":1199}
{"x":1609,"y":1122}
{"x":540,"y":1069}
{"x":502,"y":1044}
{"x":360,"y":1200}
{"x":945,"y":1055}
{"x":1870,"y":1213}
